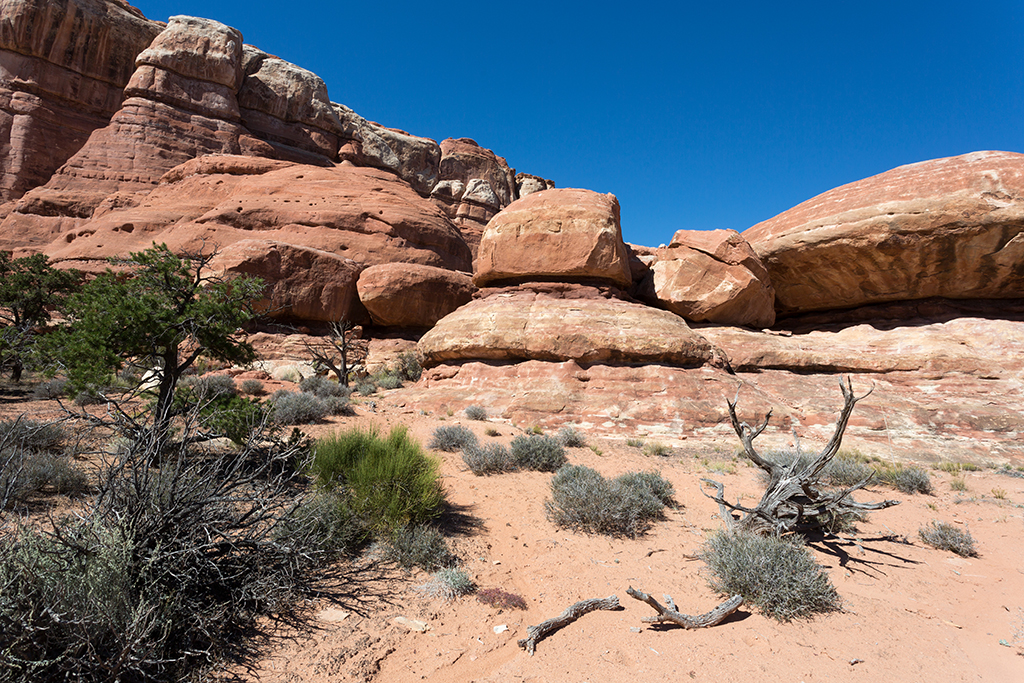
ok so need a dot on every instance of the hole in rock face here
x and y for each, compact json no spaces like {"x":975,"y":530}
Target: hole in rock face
{"x":238,"y":210}
{"x":69,"y":238}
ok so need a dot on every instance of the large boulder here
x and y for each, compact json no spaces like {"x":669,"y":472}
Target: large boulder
{"x":564,"y":322}
{"x":942,"y":228}
{"x":63,"y":68}
{"x":301,"y":283}
{"x":363,"y":214}
{"x":410,"y":295}
{"x":563,"y":235}
{"x":712,"y":276}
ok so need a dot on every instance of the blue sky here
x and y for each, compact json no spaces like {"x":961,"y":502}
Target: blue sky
{"x":697,"y":116}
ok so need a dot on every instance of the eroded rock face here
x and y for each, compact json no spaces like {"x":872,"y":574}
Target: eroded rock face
{"x":562,"y":234}
{"x":486,"y":183}
{"x":363,"y":214}
{"x":63,"y":67}
{"x":712,"y":276}
{"x":946,"y":227}
{"x":410,"y":295}
{"x":564,"y":322}
{"x":302,"y":283}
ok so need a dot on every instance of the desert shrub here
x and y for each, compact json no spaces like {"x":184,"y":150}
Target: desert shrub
{"x":907,"y":479}
{"x":956,"y":468}
{"x":452,"y":438}
{"x":418,"y":546}
{"x":338,"y":405}
{"x":478,"y":413}
{"x":388,"y":380}
{"x":24,"y":471}
{"x":776,"y":575}
{"x":89,"y":397}
{"x":214,"y":386}
{"x":945,"y":536}
{"x":407,"y":366}
{"x":846,"y":470}
{"x":657,"y":449}
{"x":491,"y":431}
{"x":366,"y":387}
{"x":500,"y":599}
{"x":390,"y":482}
{"x":323,"y":387}
{"x":53,"y":388}
{"x":958,"y":484}
{"x":571,"y":438}
{"x":252,"y":387}
{"x":538,"y":452}
{"x":582,"y":499}
{"x":491,"y":458}
{"x":166,"y":570}
{"x":450,"y":584}
{"x":635,"y":443}
{"x":291,"y":408}
{"x":328,"y":518}
{"x":32,"y":434}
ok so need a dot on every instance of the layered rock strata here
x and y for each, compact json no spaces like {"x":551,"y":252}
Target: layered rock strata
{"x":950,"y":228}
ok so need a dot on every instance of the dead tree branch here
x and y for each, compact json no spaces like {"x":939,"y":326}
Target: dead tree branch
{"x":574,"y":612}
{"x":340,"y":351}
{"x":669,"y":614}
{"x":794,"y":500}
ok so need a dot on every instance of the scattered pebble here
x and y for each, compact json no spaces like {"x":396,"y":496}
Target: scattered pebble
{"x":413,"y":624}
{"x":333,"y":615}
{"x":501,"y":629}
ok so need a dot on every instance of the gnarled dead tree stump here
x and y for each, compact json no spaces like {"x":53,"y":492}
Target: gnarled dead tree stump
{"x":795,"y":499}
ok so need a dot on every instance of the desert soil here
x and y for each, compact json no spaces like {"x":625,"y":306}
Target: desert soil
{"x":910,"y":612}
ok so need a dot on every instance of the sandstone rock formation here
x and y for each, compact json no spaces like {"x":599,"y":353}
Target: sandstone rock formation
{"x":63,"y":67}
{"x":949,"y":228}
{"x":302,"y":283}
{"x":410,"y":295}
{"x":362,"y":214}
{"x":712,"y":276}
{"x":561,"y":235}
{"x":559,"y":322}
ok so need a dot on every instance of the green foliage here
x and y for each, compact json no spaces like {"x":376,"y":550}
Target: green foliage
{"x":571,"y":438}
{"x":452,"y":438}
{"x":165,"y":305}
{"x":582,"y":499}
{"x":945,"y":536}
{"x":908,"y":479}
{"x":538,"y":452}
{"x":500,"y":599}
{"x":478,"y":413}
{"x":492,"y":458}
{"x":390,"y":482}
{"x":366,"y":387}
{"x":418,"y":546}
{"x":776,"y":575}
{"x":29,"y":289}
{"x":635,"y":443}
{"x":451,"y":583}
{"x":388,"y":380}
{"x":958,"y":484}
{"x":408,"y":366}
{"x":491,"y":431}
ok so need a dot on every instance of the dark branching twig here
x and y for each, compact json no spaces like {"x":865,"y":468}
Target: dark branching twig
{"x":670,"y":614}
{"x":574,"y":612}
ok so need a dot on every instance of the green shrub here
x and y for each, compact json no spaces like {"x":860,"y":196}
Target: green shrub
{"x":291,"y":408}
{"x":253,"y":387}
{"x":390,"y":482}
{"x":408,"y":366}
{"x":450,"y":584}
{"x":635,"y":443}
{"x":338,"y":405}
{"x":214,"y":386}
{"x":958,"y":484}
{"x":452,"y":438}
{"x":328,"y":520}
{"x":500,"y":599}
{"x":477,"y":413}
{"x":571,"y":438}
{"x":491,"y":458}
{"x":418,"y":546}
{"x":366,"y":387}
{"x":907,"y":479}
{"x":582,"y":499}
{"x":388,"y":380}
{"x":945,"y":536}
{"x":321,"y":387}
{"x":776,"y":575}
{"x":53,"y":388}
{"x":538,"y":452}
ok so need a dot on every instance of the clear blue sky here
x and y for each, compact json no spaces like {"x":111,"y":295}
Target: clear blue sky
{"x":697,"y":116}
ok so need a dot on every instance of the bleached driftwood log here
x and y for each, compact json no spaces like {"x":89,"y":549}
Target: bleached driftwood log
{"x":574,"y":612}
{"x":670,"y":614}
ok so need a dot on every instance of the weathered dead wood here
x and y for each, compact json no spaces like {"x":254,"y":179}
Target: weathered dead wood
{"x":342,"y":346}
{"x":574,"y":612}
{"x":670,"y":614}
{"x":793,"y":501}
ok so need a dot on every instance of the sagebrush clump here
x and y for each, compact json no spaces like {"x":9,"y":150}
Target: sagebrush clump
{"x":776,"y":575}
{"x":583,"y":500}
{"x":571,"y":438}
{"x":492,"y":458}
{"x":418,"y":546}
{"x":452,"y":438}
{"x":945,"y":536}
{"x":538,"y":452}
{"x":477,"y":413}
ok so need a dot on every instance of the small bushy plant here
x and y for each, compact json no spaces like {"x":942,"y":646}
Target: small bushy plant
{"x":418,"y":546}
{"x":776,"y":575}
{"x":53,"y":388}
{"x":571,"y":437}
{"x":657,"y":449}
{"x":492,"y":458}
{"x":214,"y":386}
{"x":477,"y":413}
{"x":945,"y":536}
{"x":390,"y":482}
{"x":252,"y":387}
{"x":500,"y":599}
{"x":366,"y":387}
{"x":635,"y":443}
{"x":908,"y":479}
{"x":450,"y":584}
{"x":582,"y":499}
{"x":408,"y":366}
{"x":322,"y":387}
{"x":491,"y":431}
{"x":538,"y":452}
{"x":452,"y":438}
{"x":297,"y":408}
{"x":32,"y":434}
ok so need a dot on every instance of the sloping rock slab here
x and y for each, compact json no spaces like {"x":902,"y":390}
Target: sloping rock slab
{"x":525,"y":325}
{"x":942,"y":228}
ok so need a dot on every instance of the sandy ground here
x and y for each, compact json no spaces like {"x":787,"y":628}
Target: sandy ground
{"x":910,"y":612}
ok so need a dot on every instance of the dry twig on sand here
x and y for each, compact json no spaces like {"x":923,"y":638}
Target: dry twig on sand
{"x":574,"y":612}
{"x":670,"y":614}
